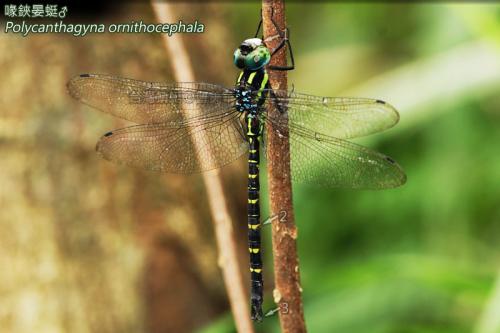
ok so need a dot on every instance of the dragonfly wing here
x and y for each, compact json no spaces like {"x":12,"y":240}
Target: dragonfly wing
{"x":332,"y":162}
{"x":150,"y":102}
{"x":340,"y":117}
{"x":326,"y":161}
{"x":166,"y":148}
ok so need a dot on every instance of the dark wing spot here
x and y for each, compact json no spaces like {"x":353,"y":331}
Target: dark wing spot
{"x":379,"y":101}
{"x":390,"y":160}
{"x":108,"y":134}
{"x":84,"y":75}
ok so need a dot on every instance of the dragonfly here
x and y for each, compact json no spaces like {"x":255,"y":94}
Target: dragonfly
{"x":193,"y":127}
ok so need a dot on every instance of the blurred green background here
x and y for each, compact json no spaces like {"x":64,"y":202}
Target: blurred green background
{"x":88,"y":246}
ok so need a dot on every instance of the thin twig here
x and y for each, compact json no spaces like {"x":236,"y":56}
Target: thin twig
{"x":226,"y":243}
{"x":287,"y":292}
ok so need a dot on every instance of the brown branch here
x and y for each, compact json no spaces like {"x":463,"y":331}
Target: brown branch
{"x":226,"y":243}
{"x":287,"y":292}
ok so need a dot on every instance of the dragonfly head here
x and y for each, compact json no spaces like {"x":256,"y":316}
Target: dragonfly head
{"x":252,"y":54}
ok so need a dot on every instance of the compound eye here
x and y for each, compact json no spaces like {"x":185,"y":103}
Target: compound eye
{"x":245,"y":48}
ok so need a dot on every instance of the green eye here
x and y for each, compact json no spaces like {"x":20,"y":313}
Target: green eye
{"x":254,"y":60}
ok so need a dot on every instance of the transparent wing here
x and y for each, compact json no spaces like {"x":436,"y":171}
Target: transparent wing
{"x":323,"y":160}
{"x":340,"y":117}
{"x":176,"y":149}
{"x":149,"y":102}
{"x":332,"y":162}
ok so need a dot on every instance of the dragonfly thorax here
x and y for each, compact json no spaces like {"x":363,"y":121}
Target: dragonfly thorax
{"x":246,"y":100}
{"x":250,"y":90}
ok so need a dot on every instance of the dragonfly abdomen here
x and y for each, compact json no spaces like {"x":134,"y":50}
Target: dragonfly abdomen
{"x":254,"y":129}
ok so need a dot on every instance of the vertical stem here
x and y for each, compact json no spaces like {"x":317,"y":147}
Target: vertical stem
{"x":287,"y":292}
{"x":228,"y":260}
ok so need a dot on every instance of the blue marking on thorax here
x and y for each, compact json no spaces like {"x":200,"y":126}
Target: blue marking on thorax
{"x":245,"y":100}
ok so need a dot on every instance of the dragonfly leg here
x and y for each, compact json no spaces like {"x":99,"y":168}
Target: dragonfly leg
{"x":259,"y":26}
{"x":285,"y":41}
